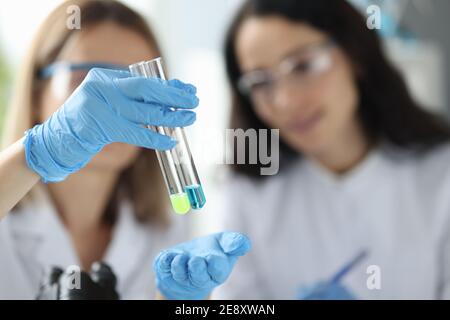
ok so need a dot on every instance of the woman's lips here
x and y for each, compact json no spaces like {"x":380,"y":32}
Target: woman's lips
{"x":306,"y":123}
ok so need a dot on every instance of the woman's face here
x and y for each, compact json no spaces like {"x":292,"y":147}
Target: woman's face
{"x":315,"y":111}
{"x":107,"y":43}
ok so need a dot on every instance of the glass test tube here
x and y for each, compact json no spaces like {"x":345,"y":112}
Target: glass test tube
{"x":177,"y":164}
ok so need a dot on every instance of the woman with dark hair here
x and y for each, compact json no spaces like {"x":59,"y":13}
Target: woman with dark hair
{"x":363,"y":167}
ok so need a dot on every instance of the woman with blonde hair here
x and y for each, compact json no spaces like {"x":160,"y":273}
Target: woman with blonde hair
{"x":102,"y":196}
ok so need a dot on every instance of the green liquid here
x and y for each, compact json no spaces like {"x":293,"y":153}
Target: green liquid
{"x":180,"y":203}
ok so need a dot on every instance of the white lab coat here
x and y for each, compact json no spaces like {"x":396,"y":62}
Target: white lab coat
{"x":33,"y":239}
{"x":306,"y":223}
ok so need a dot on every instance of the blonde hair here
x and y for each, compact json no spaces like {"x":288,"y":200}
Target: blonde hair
{"x":142,"y":182}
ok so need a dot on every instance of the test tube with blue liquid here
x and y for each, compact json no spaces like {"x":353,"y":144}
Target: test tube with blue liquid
{"x":177,"y":165}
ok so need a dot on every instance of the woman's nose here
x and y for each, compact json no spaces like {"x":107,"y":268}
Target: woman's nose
{"x":288,"y":97}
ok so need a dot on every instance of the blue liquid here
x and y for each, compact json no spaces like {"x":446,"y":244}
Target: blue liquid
{"x":196,"y":196}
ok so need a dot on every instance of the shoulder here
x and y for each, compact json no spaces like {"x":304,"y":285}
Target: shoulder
{"x":433,"y":176}
{"x":425,"y":178}
{"x":432,"y":165}
{"x":436,"y":160}
{"x":426,"y":172}
{"x":433,"y":173}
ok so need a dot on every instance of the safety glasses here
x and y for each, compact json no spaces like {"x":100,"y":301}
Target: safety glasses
{"x":301,"y":68}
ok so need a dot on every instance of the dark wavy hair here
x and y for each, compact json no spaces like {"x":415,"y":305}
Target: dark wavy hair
{"x":387,"y":110}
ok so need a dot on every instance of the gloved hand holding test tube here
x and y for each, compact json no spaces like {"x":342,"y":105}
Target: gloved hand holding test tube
{"x":177,"y":164}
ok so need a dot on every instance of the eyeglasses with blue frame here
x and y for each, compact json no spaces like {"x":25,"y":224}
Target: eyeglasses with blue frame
{"x":62,"y":66}
{"x":65,"y":76}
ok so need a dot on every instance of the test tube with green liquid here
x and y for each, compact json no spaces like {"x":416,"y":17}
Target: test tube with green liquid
{"x":177,"y":165}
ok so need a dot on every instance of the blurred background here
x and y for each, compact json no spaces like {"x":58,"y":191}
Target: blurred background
{"x":191,"y":34}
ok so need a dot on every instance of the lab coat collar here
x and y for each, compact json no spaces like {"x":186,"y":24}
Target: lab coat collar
{"x":363,"y":176}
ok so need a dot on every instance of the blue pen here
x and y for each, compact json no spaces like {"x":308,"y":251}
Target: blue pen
{"x":336,"y":278}
{"x":348,"y":267}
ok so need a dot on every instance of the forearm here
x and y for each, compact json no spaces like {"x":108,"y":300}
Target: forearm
{"x":16,"y":179}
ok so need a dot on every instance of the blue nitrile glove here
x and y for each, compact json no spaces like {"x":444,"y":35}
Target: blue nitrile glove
{"x":191,"y":270}
{"x":325,"y":291}
{"x":109,"y":106}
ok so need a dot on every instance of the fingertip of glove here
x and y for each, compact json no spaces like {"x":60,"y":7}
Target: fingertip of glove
{"x":196,"y":101}
{"x":165,"y":144}
{"x":163,"y":260}
{"x":188,"y":118}
{"x":189,"y":88}
{"x":235,"y":243}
